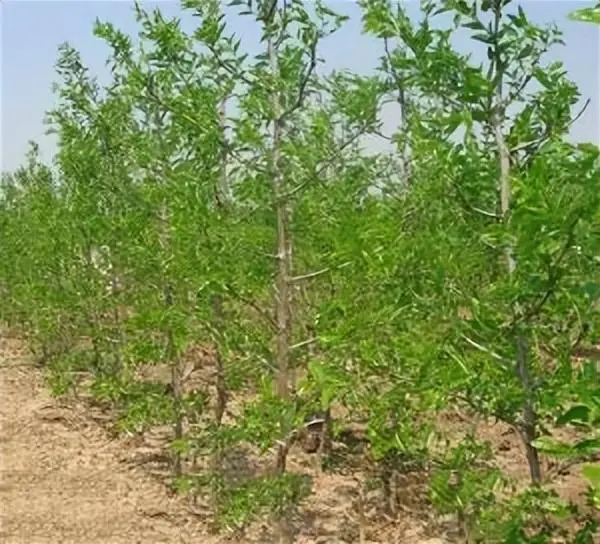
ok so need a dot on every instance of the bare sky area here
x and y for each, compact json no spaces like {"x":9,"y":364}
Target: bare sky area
{"x":33,"y":30}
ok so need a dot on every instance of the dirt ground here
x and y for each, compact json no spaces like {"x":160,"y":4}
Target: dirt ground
{"x":66,"y":479}
{"x":63,"y":476}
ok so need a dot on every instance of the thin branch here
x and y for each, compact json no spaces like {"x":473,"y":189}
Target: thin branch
{"x":526,"y":145}
{"x":553,"y":280}
{"x":403,"y":102}
{"x":249,"y":302}
{"x":304,"y":343}
{"x":310,"y":275}
{"x":303,"y":82}
{"x":469,"y":206}
{"x":327,"y":162}
{"x":533,"y":146}
{"x":497,"y":413}
{"x":479,"y":347}
{"x":581,"y":112}
{"x":235,"y":73}
{"x":511,"y":97}
{"x":382,"y":135}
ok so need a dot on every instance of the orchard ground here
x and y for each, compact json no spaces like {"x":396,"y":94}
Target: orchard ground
{"x":67,"y":478}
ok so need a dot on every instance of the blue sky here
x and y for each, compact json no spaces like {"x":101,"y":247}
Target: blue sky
{"x":32,"y":31}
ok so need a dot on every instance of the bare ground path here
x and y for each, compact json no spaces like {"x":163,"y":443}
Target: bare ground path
{"x":63,"y":479}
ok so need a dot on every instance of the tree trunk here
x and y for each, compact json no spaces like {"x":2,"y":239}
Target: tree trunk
{"x":221,"y":198}
{"x":283,"y":242}
{"x":171,"y":349}
{"x":529,"y":424}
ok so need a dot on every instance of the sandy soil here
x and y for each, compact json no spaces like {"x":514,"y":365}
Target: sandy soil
{"x":63,"y":476}
{"x":66,"y":479}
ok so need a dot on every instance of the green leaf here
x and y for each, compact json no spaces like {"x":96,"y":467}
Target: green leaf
{"x":485,"y":38}
{"x":592,"y":473}
{"x":550,"y":446}
{"x":586,"y":15}
{"x":475,"y":25}
{"x":587,"y":447}
{"x":580,"y":414}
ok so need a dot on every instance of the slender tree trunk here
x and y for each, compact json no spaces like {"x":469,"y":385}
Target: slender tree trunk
{"x":282,"y":276}
{"x":176,"y":388}
{"x":172,"y":356}
{"x":217,"y":301}
{"x":118,"y":336}
{"x":93,"y":319}
{"x":176,"y":363}
{"x":221,"y":198}
{"x":221,"y":384}
{"x":529,"y":424}
{"x":403,"y":101}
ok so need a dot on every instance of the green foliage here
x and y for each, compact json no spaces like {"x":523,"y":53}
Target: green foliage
{"x":261,"y":497}
{"x":587,"y":15}
{"x":585,"y":417}
{"x":464,"y":484}
{"x":532,"y":516}
{"x":459,"y":272}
